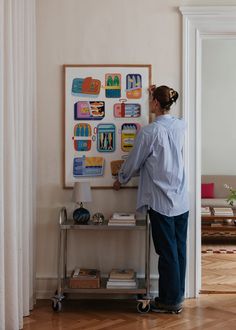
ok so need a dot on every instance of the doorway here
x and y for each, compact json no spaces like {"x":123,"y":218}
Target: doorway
{"x":199,"y":24}
{"x":218,"y":164}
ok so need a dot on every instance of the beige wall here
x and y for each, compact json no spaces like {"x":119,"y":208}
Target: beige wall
{"x":87,"y":32}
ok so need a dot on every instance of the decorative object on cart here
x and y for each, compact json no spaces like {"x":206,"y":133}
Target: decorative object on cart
{"x":81,"y":193}
{"x":232,"y":195}
{"x":85,"y":278}
{"x":98,"y":218}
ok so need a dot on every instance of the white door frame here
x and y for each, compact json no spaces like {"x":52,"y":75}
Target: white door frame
{"x":198,"y":23}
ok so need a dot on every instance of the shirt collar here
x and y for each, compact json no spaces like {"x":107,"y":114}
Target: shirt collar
{"x":163,"y":117}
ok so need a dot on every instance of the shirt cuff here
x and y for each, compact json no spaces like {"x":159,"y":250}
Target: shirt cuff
{"x":122,"y":178}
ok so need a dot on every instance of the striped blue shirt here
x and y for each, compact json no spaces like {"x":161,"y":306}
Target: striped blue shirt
{"x":157,"y":157}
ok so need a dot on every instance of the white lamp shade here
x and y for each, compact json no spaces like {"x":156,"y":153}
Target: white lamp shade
{"x":82,"y":192}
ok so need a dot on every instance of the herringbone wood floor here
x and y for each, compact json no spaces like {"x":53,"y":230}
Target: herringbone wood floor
{"x":219,"y":266}
{"x":207,"y":312}
{"x":219,"y":272}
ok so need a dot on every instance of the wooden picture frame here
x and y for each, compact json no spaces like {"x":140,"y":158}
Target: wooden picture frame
{"x":105,"y":106}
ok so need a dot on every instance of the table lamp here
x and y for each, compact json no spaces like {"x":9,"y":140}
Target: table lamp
{"x":81,"y":194}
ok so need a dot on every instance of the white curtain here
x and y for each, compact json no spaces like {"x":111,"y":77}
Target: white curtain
{"x":17,"y":160}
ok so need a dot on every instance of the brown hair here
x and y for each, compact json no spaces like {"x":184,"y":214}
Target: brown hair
{"x":166,"y":96}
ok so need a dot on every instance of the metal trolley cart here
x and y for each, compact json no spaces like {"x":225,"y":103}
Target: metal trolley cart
{"x":142,"y":291}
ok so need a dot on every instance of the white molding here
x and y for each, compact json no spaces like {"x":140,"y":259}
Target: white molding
{"x":203,"y":11}
{"x":199,"y":23}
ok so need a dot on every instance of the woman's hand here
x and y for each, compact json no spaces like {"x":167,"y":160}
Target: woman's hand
{"x":117,"y":185}
{"x":151,"y":89}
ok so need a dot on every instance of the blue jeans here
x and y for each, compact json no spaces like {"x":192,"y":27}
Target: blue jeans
{"x":169,"y":237}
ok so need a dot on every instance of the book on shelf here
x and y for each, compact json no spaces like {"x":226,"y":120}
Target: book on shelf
{"x":121,"y":280}
{"x":120,"y":284}
{"x":223,"y":211}
{"x":123,"y":216}
{"x":216,"y":224}
{"x":122,"y":219}
{"x":205,"y":210}
{"x":122,"y":274}
{"x":112,"y":222}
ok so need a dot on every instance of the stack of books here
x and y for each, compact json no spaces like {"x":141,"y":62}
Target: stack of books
{"x":205,"y":210}
{"x":85,"y":278}
{"x":122,"y":278}
{"x":122,"y":219}
{"x":223,"y":211}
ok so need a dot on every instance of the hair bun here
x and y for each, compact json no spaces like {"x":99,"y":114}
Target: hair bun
{"x":173,"y":95}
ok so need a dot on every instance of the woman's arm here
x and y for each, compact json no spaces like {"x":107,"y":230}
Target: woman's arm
{"x":136,"y":158}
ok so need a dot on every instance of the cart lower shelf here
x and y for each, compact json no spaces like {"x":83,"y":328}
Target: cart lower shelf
{"x":139,"y":289}
{"x":143,"y":301}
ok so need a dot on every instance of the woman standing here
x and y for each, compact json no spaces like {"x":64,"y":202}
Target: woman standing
{"x":157,"y":156}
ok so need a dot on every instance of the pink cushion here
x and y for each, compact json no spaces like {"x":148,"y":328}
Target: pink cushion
{"x":207,"y":190}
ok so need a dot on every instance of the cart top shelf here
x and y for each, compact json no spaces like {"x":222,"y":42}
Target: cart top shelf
{"x":71,"y":224}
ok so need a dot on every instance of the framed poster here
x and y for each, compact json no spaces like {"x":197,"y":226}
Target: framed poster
{"x":105,"y":106}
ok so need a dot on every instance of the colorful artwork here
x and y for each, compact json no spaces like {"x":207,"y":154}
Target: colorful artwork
{"x":134,"y":86}
{"x":113,"y":85}
{"x":82,"y":131}
{"x":128,"y":134}
{"x":88,"y":166}
{"x":89,"y":110}
{"x":105,"y":106}
{"x":87,"y":86}
{"x":126,"y":110}
{"x":106,"y":137}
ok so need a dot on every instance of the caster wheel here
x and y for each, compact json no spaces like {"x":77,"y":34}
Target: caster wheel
{"x":178,"y":311}
{"x":56,"y":306}
{"x":62,"y":295}
{"x":142,"y":309}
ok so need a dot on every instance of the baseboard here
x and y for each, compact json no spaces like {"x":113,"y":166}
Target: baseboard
{"x":216,"y":292}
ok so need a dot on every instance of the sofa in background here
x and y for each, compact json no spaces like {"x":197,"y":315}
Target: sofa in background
{"x":220,"y":192}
